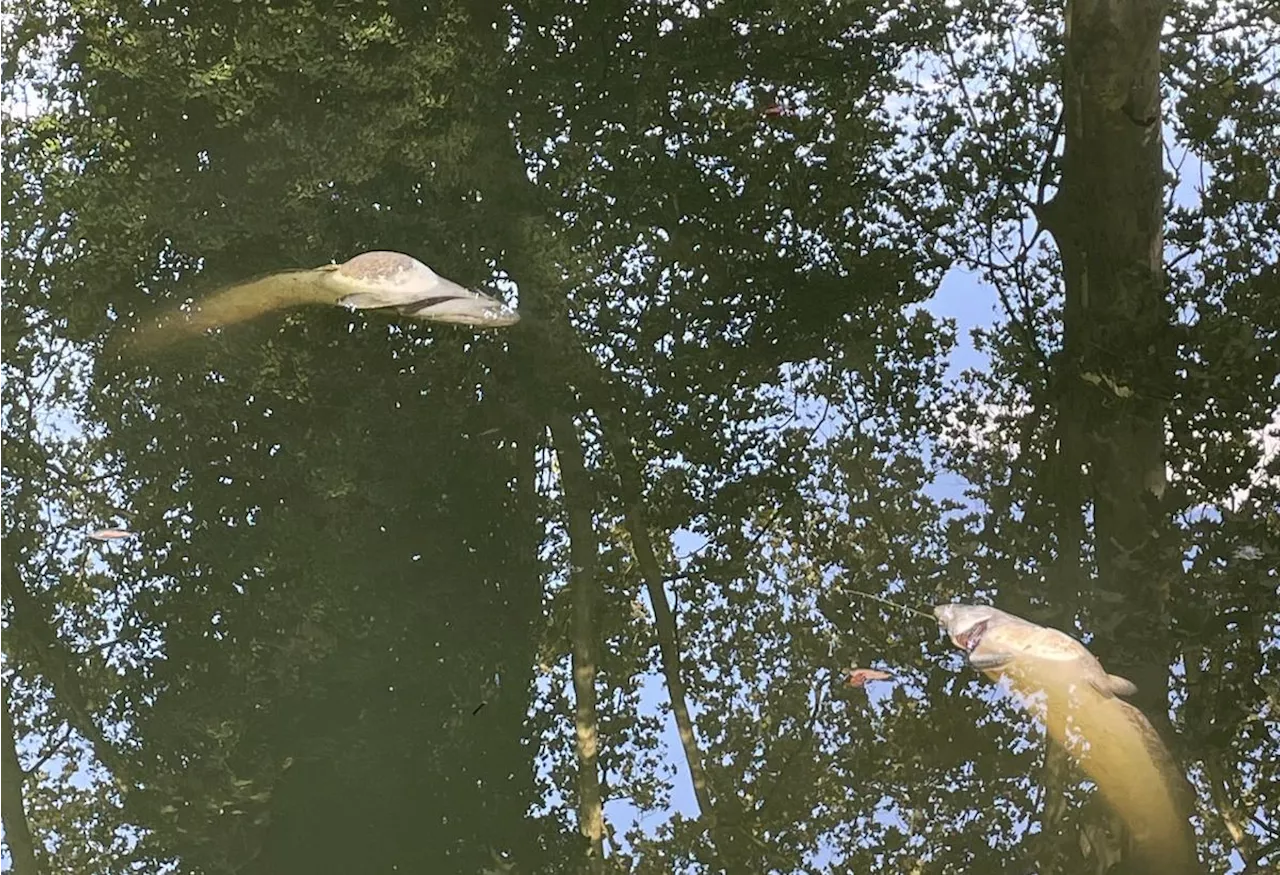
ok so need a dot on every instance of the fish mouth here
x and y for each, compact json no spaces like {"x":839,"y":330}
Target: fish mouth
{"x":970,"y":638}
{"x":949,"y":617}
{"x":464,"y":308}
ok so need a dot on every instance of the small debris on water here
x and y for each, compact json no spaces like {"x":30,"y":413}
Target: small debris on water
{"x":110,"y":534}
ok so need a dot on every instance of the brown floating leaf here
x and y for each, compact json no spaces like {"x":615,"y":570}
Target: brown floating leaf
{"x":858,"y":677}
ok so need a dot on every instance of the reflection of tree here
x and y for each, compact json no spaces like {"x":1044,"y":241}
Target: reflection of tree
{"x":350,"y":531}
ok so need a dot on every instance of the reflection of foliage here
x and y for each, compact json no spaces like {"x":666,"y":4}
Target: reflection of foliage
{"x":350,"y":533}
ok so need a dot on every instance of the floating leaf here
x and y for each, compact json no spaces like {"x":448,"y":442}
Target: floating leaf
{"x":858,"y":677}
{"x":110,"y":534}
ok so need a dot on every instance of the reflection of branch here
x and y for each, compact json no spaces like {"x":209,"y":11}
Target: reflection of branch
{"x":1245,"y":845}
{"x":53,"y":750}
{"x":71,"y":480}
{"x":1245,"y":20}
{"x":993,"y":260}
{"x":1053,"y":817}
{"x":31,"y":626}
{"x":773,"y":516}
{"x":1025,"y":322}
{"x":954,"y":66}
{"x":806,"y":740}
{"x":1219,"y":791}
{"x":665,"y":624}
{"x":17,"y":832}
{"x":1267,"y":828}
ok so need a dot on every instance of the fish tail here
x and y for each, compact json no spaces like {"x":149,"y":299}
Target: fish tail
{"x":238,"y":303}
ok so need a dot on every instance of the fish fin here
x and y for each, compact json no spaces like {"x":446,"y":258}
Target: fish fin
{"x":1121,"y":686}
{"x":364,"y":301}
{"x":989,"y":661}
{"x":1103,"y":687}
{"x":1113,"y":685}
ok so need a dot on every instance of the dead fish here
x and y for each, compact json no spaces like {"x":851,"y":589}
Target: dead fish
{"x":1078,"y":700}
{"x":109,"y":534}
{"x":370,"y":281}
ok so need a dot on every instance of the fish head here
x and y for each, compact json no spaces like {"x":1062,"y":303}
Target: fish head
{"x":460,"y":306}
{"x":965,"y":624}
{"x":394,"y":280}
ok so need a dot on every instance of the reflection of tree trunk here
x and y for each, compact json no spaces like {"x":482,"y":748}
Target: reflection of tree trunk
{"x":721,"y":819}
{"x":1116,"y":364}
{"x":665,"y":622}
{"x":1107,"y":222}
{"x":580,"y":506}
{"x":615,"y":438}
{"x":561,"y":356}
{"x":17,"y":832}
{"x":1065,"y":494}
